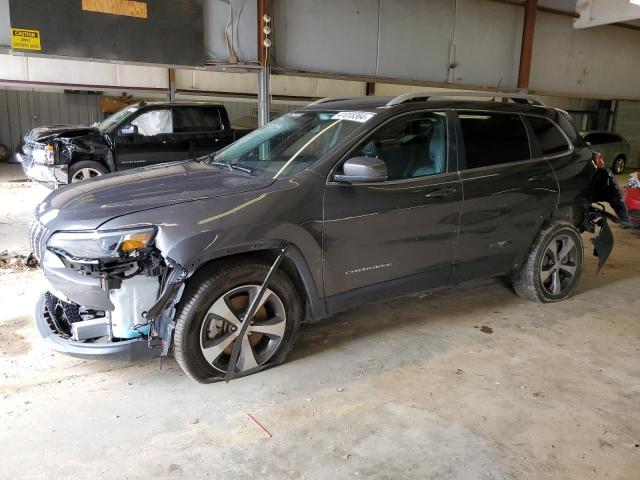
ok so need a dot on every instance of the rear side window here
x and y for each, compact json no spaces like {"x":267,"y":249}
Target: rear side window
{"x":493,"y":138}
{"x":196,"y":119}
{"x":550,"y":138}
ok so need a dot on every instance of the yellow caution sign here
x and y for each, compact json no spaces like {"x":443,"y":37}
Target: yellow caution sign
{"x":24,"y":39}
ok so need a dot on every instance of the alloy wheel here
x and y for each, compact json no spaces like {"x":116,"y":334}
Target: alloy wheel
{"x":559,"y":265}
{"x":618,"y":165}
{"x":85,"y":173}
{"x":223,"y":321}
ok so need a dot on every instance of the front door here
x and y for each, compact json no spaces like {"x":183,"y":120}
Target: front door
{"x":403,"y":230}
{"x":153,"y":143}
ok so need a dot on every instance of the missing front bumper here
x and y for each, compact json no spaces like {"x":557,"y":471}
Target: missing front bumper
{"x":123,"y":350}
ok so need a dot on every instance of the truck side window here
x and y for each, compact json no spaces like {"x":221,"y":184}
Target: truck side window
{"x":196,"y":119}
{"x":154,"y":122}
{"x":493,"y":138}
{"x":550,"y":138}
{"x":413,"y":145}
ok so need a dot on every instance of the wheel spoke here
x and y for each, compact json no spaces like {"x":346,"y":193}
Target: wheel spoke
{"x":265,"y":296}
{"x":545,"y":274}
{"x":569,"y":269}
{"x":221,"y":311}
{"x":555,"y":283}
{"x":566,"y":249}
{"x":274,"y":327}
{"x":211,"y":353}
{"x":246,"y":359}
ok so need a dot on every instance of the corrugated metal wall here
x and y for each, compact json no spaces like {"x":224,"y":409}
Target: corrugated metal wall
{"x":22,"y":110}
{"x":628,"y":125}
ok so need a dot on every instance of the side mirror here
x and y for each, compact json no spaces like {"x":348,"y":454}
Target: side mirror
{"x":128,"y":129}
{"x":362,"y":170}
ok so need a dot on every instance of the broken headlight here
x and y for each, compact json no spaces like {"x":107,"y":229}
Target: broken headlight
{"x":46,"y":155}
{"x":97,"y":245}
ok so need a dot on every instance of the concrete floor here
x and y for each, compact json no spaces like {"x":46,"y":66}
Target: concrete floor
{"x":465,"y":383}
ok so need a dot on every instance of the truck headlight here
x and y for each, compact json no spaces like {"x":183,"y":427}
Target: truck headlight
{"x":98,"y":245}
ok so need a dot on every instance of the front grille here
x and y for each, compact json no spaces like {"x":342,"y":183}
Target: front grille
{"x":38,"y":235}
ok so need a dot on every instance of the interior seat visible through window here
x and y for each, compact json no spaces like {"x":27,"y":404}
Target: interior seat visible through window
{"x":412,"y":145}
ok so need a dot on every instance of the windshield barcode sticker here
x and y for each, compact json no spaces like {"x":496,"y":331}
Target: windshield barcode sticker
{"x":353,"y":116}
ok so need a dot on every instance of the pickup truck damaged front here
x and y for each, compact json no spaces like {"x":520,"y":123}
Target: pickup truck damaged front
{"x":115,"y":297}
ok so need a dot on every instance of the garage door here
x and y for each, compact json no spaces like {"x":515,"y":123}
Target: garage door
{"x":628,"y":125}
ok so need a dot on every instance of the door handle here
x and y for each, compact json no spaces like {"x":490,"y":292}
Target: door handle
{"x":540,"y":178}
{"x":441,"y":193}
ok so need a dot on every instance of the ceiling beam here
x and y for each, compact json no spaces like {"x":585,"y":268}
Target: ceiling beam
{"x":604,"y":12}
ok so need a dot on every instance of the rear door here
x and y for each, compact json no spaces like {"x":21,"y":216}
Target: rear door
{"x":508,"y":192}
{"x":402,"y":230}
{"x":200,"y":130}
{"x":152,"y":144}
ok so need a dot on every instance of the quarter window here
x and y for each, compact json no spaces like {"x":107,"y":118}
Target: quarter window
{"x":411,"y":146}
{"x":493,"y":138}
{"x":550,"y":138}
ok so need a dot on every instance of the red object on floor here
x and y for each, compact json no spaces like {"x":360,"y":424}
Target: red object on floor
{"x":632,"y":200}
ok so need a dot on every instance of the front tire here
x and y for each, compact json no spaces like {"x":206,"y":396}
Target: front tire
{"x":209,"y":318}
{"x":85,"y":169}
{"x":552,"y":269}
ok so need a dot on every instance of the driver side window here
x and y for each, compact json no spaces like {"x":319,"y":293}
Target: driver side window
{"x":154,"y":122}
{"x":411,"y":146}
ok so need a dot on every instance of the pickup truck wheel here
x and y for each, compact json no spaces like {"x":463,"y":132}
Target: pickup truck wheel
{"x":85,"y":169}
{"x":618,"y":165}
{"x":553,"y":267}
{"x":210,"y":314}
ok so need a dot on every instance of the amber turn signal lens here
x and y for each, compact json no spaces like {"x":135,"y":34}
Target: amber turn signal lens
{"x":135,"y":241}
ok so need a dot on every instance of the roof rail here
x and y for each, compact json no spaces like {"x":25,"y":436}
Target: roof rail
{"x":423,"y":97}
{"x":328,"y":99}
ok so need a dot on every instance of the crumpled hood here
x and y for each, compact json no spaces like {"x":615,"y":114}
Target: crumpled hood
{"x":90,"y":203}
{"x":40,"y":134}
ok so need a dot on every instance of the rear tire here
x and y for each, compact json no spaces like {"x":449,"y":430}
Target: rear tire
{"x":85,"y":169}
{"x":552,"y":269}
{"x":203,"y":338}
{"x":618,"y":165}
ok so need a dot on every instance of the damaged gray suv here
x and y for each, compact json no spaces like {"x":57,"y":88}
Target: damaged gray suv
{"x":340,"y":203}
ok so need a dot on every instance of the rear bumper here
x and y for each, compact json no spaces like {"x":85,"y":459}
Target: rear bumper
{"x":126,"y":350}
{"x":38,"y":172}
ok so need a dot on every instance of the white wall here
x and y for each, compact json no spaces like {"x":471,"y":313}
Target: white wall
{"x":599,"y":61}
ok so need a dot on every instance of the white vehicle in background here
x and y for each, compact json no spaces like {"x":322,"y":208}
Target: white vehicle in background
{"x":612,"y":146}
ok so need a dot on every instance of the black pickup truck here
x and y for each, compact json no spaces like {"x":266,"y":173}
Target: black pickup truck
{"x":146,"y":133}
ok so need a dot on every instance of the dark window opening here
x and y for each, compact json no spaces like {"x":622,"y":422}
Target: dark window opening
{"x":493,"y":138}
{"x":196,"y":119}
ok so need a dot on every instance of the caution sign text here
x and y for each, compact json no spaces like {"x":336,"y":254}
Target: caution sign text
{"x":24,"y":39}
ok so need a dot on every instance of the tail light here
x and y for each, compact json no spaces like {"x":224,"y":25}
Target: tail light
{"x":598,"y":161}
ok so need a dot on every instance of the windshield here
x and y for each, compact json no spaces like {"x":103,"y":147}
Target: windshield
{"x":115,"y":119}
{"x":290,"y":144}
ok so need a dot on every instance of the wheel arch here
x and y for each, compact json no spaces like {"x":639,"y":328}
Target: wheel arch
{"x":294,"y":265}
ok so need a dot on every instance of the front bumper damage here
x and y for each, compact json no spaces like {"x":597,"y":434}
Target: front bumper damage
{"x":51,"y":175}
{"x":122,"y":310}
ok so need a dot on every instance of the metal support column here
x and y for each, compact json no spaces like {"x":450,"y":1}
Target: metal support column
{"x":171,"y":94}
{"x":526,"y":48}
{"x":264,"y":95}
